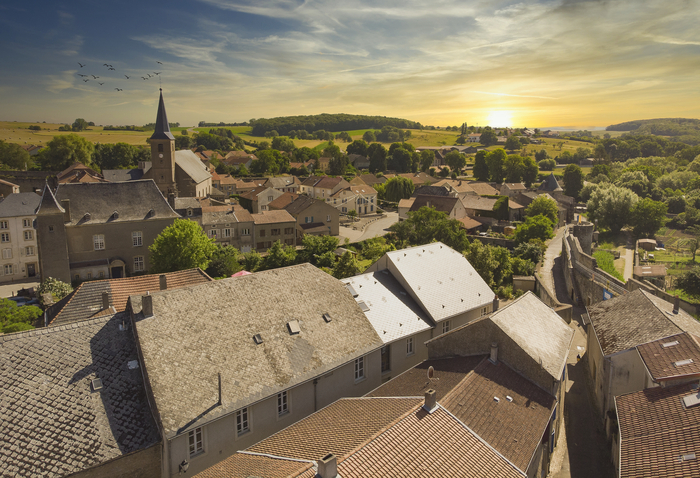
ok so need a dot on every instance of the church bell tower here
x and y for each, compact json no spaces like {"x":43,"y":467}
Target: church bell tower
{"x":163,"y":153}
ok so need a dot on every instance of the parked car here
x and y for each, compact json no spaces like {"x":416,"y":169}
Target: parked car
{"x":21,"y":300}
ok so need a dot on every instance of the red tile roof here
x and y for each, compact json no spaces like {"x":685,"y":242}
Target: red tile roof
{"x":244,"y":464}
{"x":283,"y":201}
{"x":662,"y":361}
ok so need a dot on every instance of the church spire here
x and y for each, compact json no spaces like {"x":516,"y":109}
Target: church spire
{"x":162,"y":130}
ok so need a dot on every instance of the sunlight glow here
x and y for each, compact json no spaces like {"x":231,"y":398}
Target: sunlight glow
{"x":500,"y":118}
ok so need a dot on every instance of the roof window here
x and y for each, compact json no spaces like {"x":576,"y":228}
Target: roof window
{"x":293,"y":326}
{"x":351,"y":289}
{"x":669,"y":344}
{"x":327,"y":317}
{"x":363,"y":306}
{"x":257,"y":338}
{"x":681,"y":363}
{"x":96,"y":384}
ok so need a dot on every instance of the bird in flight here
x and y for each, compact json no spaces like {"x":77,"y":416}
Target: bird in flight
{"x":159,"y":62}
{"x":118,"y":89}
{"x":95,"y":77}
{"x":144,"y":77}
{"x":100,"y":83}
{"x":126,"y":77}
{"x":105,"y":64}
{"x":157,"y":72}
{"x":85,"y":80}
{"x":82,"y":75}
{"x":81,"y":65}
{"x":149,"y":75}
{"x":110,"y":68}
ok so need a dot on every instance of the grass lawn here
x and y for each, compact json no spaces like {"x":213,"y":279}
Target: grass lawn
{"x":607,"y":262}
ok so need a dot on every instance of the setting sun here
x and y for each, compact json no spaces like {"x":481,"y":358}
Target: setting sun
{"x":500,"y":118}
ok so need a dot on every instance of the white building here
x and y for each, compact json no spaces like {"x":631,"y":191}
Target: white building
{"x":17,"y":237}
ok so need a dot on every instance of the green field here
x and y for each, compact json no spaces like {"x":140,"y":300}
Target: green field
{"x":15,"y":132}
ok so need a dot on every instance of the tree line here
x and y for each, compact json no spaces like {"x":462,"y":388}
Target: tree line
{"x":327,"y":122}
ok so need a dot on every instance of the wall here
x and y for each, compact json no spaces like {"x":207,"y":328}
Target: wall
{"x":141,"y":464}
{"x":52,"y":247}
{"x":18,"y":245}
{"x":564,"y":311}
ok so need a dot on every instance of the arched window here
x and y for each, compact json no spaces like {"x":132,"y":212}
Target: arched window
{"x":160,"y":148}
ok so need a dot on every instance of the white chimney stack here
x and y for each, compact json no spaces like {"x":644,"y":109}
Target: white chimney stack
{"x":494,"y":353}
{"x":328,"y":466}
{"x":430,"y":401}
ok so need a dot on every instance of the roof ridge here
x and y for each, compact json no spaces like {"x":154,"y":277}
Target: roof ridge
{"x":55,"y":329}
{"x":277,"y":457}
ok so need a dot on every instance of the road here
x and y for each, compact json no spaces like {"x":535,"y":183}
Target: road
{"x":373,"y":229}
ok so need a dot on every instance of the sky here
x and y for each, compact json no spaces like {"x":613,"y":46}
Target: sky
{"x":560,"y":63}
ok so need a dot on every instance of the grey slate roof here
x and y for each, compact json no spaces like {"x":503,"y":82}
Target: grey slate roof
{"x":439,"y":279}
{"x":162,"y":129}
{"x":550,"y":183}
{"x":444,"y":204}
{"x":132,"y":200}
{"x":637,"y":318}
{"x":538,"y":330}
{"x":430,"y":191}
{"x":192,"y":165}
{"x":53,"y":425}
{"x":19,"y":204}
{"x":200,"y":331}
{"x":114,"y":175}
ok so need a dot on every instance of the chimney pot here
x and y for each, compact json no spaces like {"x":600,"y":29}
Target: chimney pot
{"x":430,"y":400}
{"x":328,"y":466}
{"x":147,"y":305}
{"x":494,"y":352}
{"x":676,"y":304}
{"x":105,"y":300}
{"x":496,"y":303}
{"x":163,"y":282}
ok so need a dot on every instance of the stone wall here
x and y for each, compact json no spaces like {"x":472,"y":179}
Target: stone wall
{"x":141,"y":464}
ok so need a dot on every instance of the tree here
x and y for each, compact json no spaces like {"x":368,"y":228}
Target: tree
{"x":377,"y":157}
{"x":118,"y":156}
{"x":534,"y":227}
{"x":481,"y":259}
{"x":573,"y":180}
{"x":401,"y":160}
{"x":369,"y":136}
{"x":224,"y":262}
{"x":182,"y":245}
{"x":428,"y":225}
{"x":426,"y":159}
{"x":352,"y":214}
{"x":544,"y":206}
{"x":278,"y":256}
{"x":513,"y":143}
{"x":531,"y":251}
{"x":648,"y":216}
{"x":455,"y":160}
{"x":317,"y":246}
{"x":14,"y":318}
{"x":689,"y":281}
{"x":495,"y":160}
{"x":58,"y":289}
{"x":14,"y":156}
{"x":252,"y":261}
{"x":694,"y":242}
{"x":337,"y":166}
{"x":182,"y":142}
{"x":541,"y":155}
{"x":488,"y":137}
{"x":359,"y":146}
{"x":611,"y":206}
{"x":547,"y":164}
{"x":481,"y":169}
{"x":346,"y":266}
{"x":63,"y":151}
{"x":398,"y":188}
{"x":79,"y":125}
{"x":530,"y":171}
{"x":513,"y":166}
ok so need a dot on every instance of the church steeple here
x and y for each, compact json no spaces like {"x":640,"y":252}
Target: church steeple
{"x":162,"y":130}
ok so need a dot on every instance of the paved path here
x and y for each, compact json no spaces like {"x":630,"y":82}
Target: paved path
{"x":10,"y":289}
{"x":373,"y":229}
{"x":551,"y":254}
{"x":629,"y":261}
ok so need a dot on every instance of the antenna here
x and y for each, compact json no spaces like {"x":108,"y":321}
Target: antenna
{"x":431,"y":376}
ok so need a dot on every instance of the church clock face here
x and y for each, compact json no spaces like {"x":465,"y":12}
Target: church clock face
{"x":160,"y":155}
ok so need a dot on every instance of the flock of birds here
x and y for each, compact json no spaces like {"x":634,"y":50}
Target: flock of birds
{"x":109,"y":67}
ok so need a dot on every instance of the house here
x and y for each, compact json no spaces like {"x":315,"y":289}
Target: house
{"x":451,"y":206}
{"x":99,"y":230}
{"x":484,"y":189}
{"x":471,"y":225}
{"x":239,"y":158}
{"x":358,"y":161}
{"x":272,"y":226}
{"x":96,"y":298}
{"x":229,"y":225}
{"x":178,"y":172}
{"x":7,"y":188}
{"x":550,"y":184}
{"x":313,"y":216}
{"x":32,"y":149}
{"x":79,"y":173}
{"x":285,"y":184}
{"x":322,"y":187}
{"x":658,"y":432}
{"x":512,"y":189}
{"x":478,"y":205}
{"x":240,"y":377}
{"x":516,"y":211}
{"x":370,"y":179}
{"x":363,"y":200}
{"x":457,"y":187}
{"x":74,"y":403}
{"x":418,"y":179}
{"x":618,"y":331}
{"x":115,"y":175}
{"x":283,"y":201}
{"x":227,"y":184}
{"x":405,"y":205}
{"x":20,"y":255}
{"x":257,"y":200}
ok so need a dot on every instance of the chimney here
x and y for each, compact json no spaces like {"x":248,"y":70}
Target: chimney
{"x":676,"y":304}
{"x":494,"y":352}
{"x":105,"y":300}
{"x":430,"y":401}
{"x":328,"y":466}
{"x":163,"y":282}
{"x":171,"y":200}
{"x":65,"y":204}
{"x":496,"y":303}
{"x":147,"y":305}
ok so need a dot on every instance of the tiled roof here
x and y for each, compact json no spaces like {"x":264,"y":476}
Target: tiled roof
{"x":434,"y":190}
{"x":272,"y":217}
{"x":656,"y":429}
{"x":406,"y":202}
{"x":550,"y":183}
{"x":469,"y":223}
{"x":132,"y":200}
{"x":483,"y":189}
{"x":301,"y":203}
{"x":371,"y":179}
{"x":392,"y":312}
{"x":282,"y":182}
{"x":439,"y":279}
{"x":637,"y":318}
{"x":339,"y":428}
{"x":456,"y":184}
{"x":242,"y":214}
{"x":364,"y":190}
{"x":254,"y":193}
{"x":115,"y":175}
{"x":515,"y":186}
{"x":53,"y":424}
{"x":538,"y":330}
{"x":662,"y":357}
{"x":247,"y":464}
{"x":440,"y":203}
{"x":427,"y":445}
{"x":86,"y":300}
{"x":414,"y":382}
{"x":513,"y":427}
{"x":198,"y":325}
{"x":478,"y":203}
{"x":286,"y":199}
{"x":19,"y":204}
{"x":192,"y":165}
{"x":76,"y":169}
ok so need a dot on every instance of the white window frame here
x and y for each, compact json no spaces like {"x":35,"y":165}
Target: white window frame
{"x":137,"y":238}
{"x":213,"y":233}
{"x":409,"y":346}
{"x":26,"y":222}
{"x":242,"y":421}
{"x":195,"y":441}
{"x":8,"y":269}
{"x":29,"y":251}
{"x":446,"y":326}
{"x":245,"y":232}
{"x":282,"y":403}
{"x":28,"y":235}
{"x":139,"y":264}
{"x":7,"y":253}
{"x":227,"y":232}
{"x":328,"y":218}
{"x":98,"y":242}
{"x":359,"y":368}
{"x":4,"y":225}
{"x":5,"y":237}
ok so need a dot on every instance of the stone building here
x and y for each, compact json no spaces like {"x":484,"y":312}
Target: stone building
{"x":20,"y":256}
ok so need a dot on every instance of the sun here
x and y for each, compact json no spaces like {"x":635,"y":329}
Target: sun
{"x":500,"y":118}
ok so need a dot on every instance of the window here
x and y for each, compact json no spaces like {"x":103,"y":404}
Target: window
{"x":7,"y":253}
{"x":77,"y":277}
{"x":50,"y":228}
{"x":289,"y":230}
{"x":245,"y":232}
{"x":483,"y":310}
{"x":29,"y":251}
{"x":189,"y":212}
{"x":3,"y":225}
{"x":8,"y":269}
{"x":242,"y":421}
{"x":409,"y":346}
{"x":309,"y":219}
{"x":99,"y":241}
{"x":138,"y":264}
{"x":27,"y":222}
{"x":386,"y":358}
{"x":328,"y":218}
{"x":196,"y":442}
{"x":262,"y":232}
{"x":282,"y":403}
{"x":445,"y":326}
{"x":89,"y":275}
{"x":275,"y":232}
{"x":160,"y":148}
{"x":28,"y":235}
{"x":102,"y":274}
{"x":5,"y":237}
{"x":213,"y":233}
{"x":137,"y":238}
{"x":227,"y":232}
{"x":359,"y":368}
{"x":371,"y":208}
{"x":270,"y":198}
{"x":263,"y":208}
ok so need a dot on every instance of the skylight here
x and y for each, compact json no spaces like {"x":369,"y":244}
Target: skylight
{"x":681,"y":363}
{"x":669,"y":344}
